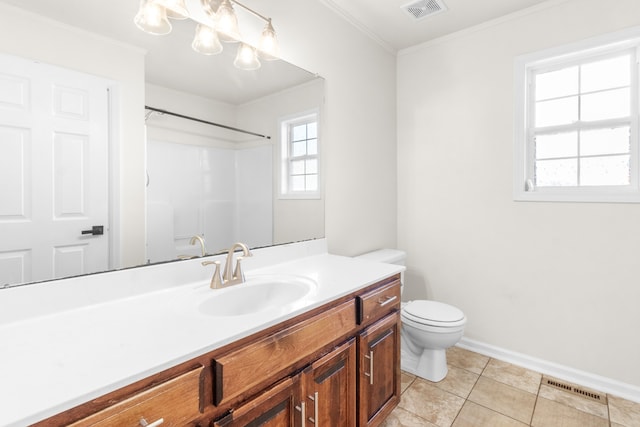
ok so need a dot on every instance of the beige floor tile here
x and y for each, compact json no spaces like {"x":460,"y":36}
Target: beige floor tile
{"x":554,"y":414}
{"x":403,"y":418}
{"x":505,"y":399}
{"x":458,"y":381}
{"x":405,"y":381}
{"x":431,"y":403}
{"x":466,"y":359}
{"x":624,"y":412}
{"x":513,"y":375}
{"x":474,"y":415}
{"x":580,"y":403}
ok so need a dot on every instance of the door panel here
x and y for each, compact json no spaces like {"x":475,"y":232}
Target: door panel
{"x":329,"y":389}
{"x":54,"y":134}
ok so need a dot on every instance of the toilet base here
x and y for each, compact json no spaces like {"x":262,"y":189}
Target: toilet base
{"x":430,"y":364}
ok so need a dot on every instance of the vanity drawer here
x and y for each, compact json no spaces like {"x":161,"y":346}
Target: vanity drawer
{"x":377,"y":303}
{"x":270,"y":357}
{"x":176,"y":402}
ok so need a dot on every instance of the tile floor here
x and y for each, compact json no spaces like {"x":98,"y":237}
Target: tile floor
{"x":483,"y":392}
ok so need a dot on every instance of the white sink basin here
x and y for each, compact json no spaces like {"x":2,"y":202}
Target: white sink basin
{"x":256,"y":294}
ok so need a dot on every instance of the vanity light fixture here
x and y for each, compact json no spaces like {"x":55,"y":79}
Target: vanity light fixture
{"x":246,"y":59}
{"x":153,"y":18}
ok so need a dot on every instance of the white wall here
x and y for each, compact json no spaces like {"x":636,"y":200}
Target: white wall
{"x":556,"y":281}
{"x":63,"y":46}
{"x":359,"y":145}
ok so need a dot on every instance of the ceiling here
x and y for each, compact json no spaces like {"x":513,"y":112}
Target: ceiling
{"x":390,"y":25}
{"x":170,"y":62}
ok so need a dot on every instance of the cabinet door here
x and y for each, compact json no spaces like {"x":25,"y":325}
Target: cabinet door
{"x":379,"y":370}
{"x":329,"y":390}
{"x":273,"y":408}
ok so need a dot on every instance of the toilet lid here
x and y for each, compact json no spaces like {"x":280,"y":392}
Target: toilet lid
{"x":433,"y":313}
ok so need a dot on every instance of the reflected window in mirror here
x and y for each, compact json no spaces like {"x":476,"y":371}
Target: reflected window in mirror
{"x":300,"y":173}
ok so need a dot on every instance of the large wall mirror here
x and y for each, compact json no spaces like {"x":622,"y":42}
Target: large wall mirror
{"x":174,"y":177}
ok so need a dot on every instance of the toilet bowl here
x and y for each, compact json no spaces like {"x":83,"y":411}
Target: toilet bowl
{"x":429,"y":328}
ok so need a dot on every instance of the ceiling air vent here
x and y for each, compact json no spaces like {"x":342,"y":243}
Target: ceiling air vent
{"x":422,"y":8}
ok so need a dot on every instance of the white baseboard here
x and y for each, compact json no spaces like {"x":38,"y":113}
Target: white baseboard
{"x":585,"y":379}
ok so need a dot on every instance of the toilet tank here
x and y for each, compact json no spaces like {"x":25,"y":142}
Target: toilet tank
{"x":388,"y":256}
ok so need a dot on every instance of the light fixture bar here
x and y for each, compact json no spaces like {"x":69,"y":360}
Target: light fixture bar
{"x":248,"y":9}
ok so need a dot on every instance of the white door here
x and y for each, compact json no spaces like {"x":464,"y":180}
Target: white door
{"x":54,"y":134}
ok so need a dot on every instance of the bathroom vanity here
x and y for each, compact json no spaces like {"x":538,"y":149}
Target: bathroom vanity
{"x":331,"y":358}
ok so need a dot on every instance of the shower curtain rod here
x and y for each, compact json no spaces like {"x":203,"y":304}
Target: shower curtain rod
{"x":182,"y":116}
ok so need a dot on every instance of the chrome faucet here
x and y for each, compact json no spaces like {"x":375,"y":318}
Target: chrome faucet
{"x":229,"y":276}
{"x":198,"y":238}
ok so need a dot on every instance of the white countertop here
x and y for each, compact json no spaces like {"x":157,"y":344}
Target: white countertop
{"x":53,"y":362}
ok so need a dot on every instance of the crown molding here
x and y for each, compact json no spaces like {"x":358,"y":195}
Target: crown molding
{"x":359,"y":25}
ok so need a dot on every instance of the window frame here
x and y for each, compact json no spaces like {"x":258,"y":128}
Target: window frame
{"x":285,"y":126}
{"x":527,"y":66}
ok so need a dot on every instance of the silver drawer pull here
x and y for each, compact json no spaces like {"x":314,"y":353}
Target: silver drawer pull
{"x":303,"y":413}
{"x":370,"y":373}
{"x":144,"y":422}
{"x":314,"y":420}
{"x":387,"y":300}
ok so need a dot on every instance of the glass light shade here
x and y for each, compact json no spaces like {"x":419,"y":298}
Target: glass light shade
{"x":176,"y":9}
{"x":227,"y":24}
{"x":210,"y":7}
{"x":206,"y":41}
{"x":152,"y":18}
{"x":246,"y":59}
{"x":268,"y":45}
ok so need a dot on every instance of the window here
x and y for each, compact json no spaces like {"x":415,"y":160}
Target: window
{"x":577,"y":122}
{"x":299,"y":153}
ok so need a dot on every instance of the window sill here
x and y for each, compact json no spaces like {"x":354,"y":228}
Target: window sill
{"x":558,"y":195}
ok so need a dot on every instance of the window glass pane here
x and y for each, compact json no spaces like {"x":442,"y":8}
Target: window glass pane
{"x":297,"y":183}
{"x":606,"y":74}
{"x":299,"y":132}
{"x":557,"y":145}
{"x":557,"y":112}
{"x":556,"y":173}
{"x":613,"y":170}
{"x":312,"y":130}
{"x":312,"y":147}
{"x":555,"y":84}
{"x":298,"y":148}
{"x":605,"y":141}
{"x":297,"y":167}
{"x":312,"y":166}
{"x":312,"y":182}
{"x":605,"y":105}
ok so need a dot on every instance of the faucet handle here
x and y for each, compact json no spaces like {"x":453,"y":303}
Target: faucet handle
{"x":216,"y":279}
{"x":238,"y":274}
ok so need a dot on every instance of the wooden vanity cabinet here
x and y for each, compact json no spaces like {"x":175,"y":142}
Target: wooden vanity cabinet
{"x":329,"y":389}
{"x":335,"y":366}
{"x":379,"y":377}
{"x":170,"y":403}
{"x":323,"y":394}
{"x":274,"y":408}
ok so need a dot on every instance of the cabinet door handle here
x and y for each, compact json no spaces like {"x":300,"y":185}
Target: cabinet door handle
{"x":303,"y":413}
{"x":314,"y":420}
{"x":144,"y":423}
{"x":387,"y":300}
{"x":370,"y":373}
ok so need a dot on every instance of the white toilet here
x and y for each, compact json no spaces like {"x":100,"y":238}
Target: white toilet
{"x":429,"y":328}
